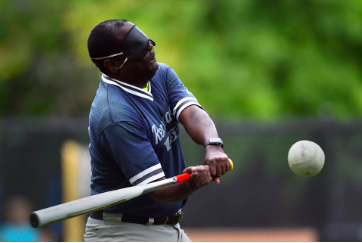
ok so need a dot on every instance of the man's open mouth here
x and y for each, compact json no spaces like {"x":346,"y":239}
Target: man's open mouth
{"x":153,"y":58}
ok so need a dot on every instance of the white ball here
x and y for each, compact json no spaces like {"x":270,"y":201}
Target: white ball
{"x":306,"y":158}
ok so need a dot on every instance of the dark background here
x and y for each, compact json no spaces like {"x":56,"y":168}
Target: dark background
{"x":260,"y":192}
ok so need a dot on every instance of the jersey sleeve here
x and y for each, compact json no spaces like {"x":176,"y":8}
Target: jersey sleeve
{"x":179,"y":96}
{"x":130,"y":147}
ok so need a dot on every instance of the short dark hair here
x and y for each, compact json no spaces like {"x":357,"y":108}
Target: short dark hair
{"x":103,"y":42}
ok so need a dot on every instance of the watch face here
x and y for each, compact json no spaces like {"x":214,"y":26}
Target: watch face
{"x":215,"y":140}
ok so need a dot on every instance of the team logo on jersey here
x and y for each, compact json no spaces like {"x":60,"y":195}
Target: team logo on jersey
{"x":160,"y":132}
{"x":172,"y":136}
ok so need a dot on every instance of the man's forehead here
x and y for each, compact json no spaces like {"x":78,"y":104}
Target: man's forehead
{"x":122,"y":32}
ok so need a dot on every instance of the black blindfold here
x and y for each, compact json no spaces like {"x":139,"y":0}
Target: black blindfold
{"x":135,"y":44}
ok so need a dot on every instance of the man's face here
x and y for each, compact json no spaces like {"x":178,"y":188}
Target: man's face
{"x":147,"y":65}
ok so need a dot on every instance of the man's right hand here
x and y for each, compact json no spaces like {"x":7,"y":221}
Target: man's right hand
{"x":200,"y":176}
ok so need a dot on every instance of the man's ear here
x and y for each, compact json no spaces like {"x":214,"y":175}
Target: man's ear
{"x":111,"y":65}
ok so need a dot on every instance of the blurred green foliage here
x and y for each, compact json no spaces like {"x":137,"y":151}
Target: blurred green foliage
{"x":256,"y":59}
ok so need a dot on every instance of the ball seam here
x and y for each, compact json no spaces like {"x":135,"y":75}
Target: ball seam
{"x":307,"y":161}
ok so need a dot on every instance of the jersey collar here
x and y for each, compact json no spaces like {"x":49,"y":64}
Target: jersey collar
{"x":128,"y":88}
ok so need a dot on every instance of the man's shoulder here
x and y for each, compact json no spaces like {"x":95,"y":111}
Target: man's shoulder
{"x":110,"y":106}
{"x":162,"y":70}
{"x":162,"y":66}
{"x":164,"y":74}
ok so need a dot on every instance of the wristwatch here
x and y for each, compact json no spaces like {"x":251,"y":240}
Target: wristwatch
{"x":214,"y":141}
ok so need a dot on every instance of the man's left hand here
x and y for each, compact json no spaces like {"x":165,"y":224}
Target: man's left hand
{"x":217,"y":161}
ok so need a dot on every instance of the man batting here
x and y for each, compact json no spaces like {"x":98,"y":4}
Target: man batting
{"x":134,"y":137}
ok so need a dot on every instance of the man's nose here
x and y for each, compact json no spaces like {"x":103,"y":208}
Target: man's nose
{"x":150,"y":46}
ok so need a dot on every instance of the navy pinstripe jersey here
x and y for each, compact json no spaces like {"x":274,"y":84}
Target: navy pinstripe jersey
{"x":134,"y":138}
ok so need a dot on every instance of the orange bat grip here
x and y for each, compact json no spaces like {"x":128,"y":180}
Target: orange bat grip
{"x":182,"y":177}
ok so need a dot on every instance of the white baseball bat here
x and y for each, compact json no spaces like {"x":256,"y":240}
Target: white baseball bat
{"x":100,"y":201}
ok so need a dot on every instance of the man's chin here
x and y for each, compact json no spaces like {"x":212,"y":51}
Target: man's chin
{"x":154,"y":68}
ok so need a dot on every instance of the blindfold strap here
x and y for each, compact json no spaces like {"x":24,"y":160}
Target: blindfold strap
{"x":114,"y":55}
{"x":125,"y":60}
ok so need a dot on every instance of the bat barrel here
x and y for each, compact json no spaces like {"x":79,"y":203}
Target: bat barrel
{"x":83,"y":206}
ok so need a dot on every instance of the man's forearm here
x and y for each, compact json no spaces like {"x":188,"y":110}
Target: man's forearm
{"x":172,"y":194}
{"x":198,"y":124}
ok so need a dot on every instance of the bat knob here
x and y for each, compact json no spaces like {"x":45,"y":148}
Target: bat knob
{"x":231,"y":165}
